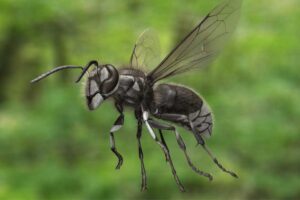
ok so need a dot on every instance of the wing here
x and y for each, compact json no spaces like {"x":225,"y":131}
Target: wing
{"x":202,"y":44}
{"x":146,"y":51}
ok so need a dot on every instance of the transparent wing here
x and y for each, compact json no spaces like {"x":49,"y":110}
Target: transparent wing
{"x":202,"y":44}
{"x":146,"y":51}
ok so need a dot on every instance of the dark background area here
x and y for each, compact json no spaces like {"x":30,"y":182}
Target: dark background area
{"x":52,"y":147}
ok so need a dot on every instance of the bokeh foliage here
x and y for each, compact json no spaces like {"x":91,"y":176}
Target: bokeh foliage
{"x":51,"y":147}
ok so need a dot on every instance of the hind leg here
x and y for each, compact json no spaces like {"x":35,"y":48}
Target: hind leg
{"x":201,"y":124}
{"x":215,"y":159}
{"x":181,"y":144}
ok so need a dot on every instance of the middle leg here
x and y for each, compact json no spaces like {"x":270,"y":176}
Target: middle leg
{"x":141,"y":155}
{"x":165,"y":150}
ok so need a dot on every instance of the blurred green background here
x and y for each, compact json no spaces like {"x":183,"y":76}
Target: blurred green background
{"x":52,"y":147}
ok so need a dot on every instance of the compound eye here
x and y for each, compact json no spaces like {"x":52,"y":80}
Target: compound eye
{"x":104,"y":74}
{"x":109,"y":85}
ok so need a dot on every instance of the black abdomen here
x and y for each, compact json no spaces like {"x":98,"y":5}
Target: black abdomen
{"x":176,"y":99}
{"x":181,"y":105}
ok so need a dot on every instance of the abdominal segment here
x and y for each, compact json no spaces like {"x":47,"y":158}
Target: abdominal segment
{"x":183,"y":106}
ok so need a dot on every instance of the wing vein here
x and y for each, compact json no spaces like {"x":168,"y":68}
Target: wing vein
{"x":202,"y":44}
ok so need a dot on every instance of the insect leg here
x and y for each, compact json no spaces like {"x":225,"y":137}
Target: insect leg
{"x":216,"y":161}
{"x":117,"y":125}
{"x":163,"y":140}
{"x":181,"y":144}
{"x":141,"y":155}
{"x":165,"y":150}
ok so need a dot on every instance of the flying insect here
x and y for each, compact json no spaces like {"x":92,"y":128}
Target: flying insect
{"x":162,"y":106}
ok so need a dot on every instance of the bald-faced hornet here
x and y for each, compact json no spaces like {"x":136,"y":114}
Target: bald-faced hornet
{"x":132,"y":87}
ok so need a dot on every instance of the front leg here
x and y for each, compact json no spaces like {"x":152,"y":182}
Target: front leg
{"x":117,"y":125}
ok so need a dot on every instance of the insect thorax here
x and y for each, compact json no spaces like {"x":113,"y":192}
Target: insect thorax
{"x":131,"y":87}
